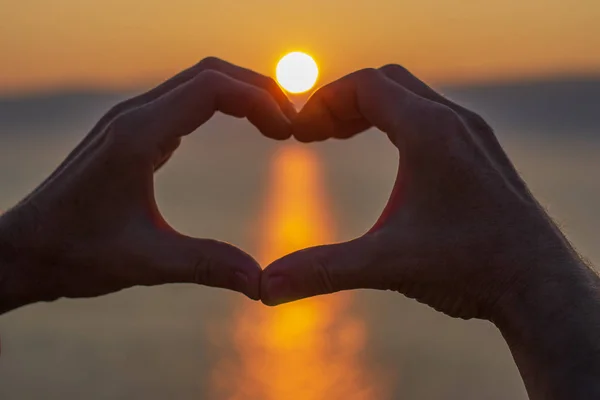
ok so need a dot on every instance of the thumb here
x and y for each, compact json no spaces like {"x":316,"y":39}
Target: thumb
{"x":181,"y":259}
{"x":320,"y":270}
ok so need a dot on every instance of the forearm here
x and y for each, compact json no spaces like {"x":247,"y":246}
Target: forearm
{"x":16,"y":288}
{"x":10,"y":297}
{"x":553,"y":331}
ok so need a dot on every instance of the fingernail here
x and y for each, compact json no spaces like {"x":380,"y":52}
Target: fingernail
{"x":278,"y":289}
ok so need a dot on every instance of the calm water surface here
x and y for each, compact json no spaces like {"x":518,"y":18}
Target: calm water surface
{"x":189,"y":342}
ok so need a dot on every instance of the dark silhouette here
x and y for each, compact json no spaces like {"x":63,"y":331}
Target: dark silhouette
{"x":461,"y":231}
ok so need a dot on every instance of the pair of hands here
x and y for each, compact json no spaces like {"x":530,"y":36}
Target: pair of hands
{"x":461,"y":232}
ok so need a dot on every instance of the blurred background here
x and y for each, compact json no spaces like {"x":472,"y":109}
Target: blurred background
{"x":530,"y":67}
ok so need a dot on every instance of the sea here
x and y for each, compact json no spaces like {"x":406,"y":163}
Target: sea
{"x":229,"y":183}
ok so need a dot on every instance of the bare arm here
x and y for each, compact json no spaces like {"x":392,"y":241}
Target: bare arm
{"x":552,"y":327}
{"x":461,"y":232}
{"x":93,"y":227}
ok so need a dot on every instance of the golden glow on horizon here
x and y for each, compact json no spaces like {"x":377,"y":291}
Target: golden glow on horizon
{"x":297,"y":72}
{"x":306,"y":350}
{"x":134,"y":44}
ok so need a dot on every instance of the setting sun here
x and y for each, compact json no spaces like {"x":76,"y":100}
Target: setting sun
{"x":297,"y":72}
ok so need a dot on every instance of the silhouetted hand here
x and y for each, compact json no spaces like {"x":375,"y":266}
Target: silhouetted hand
{"x":461,"y":231}
{"x":93,"y":227}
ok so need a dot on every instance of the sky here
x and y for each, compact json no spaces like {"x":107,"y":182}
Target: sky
{"x":115,"y":44}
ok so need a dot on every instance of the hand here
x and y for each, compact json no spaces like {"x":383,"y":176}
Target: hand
{"x":93,"y":227}
{"x":461,"y":231}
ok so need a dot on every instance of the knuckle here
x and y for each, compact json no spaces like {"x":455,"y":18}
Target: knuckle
{"x":448,"y":117}
{"x":209,"y":79}
{"x":260,"y":95}
{"x":439,"y":117}
{"x":210,"y":62}
{"x":271,"y":85}
{"x":394,"y":69}
{"x":453,"y":127}
{"x":121,"y":136}
{"x":121,"y":126}
{"x":476,"y":121}
{"x":118,"y":109}
{"x":437,"y":127}
{"x":113,"y":113}
{"x":372,"y":80}
{"x":368,"y":74}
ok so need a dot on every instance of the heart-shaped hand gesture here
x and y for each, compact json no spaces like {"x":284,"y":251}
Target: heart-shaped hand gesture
{"x":461,"y":232}
{"x":455,"y":233}
{"x":93,"y":227}
{"x":460,"y":229}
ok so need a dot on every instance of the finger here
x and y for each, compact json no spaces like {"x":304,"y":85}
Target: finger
{"x":254,"y":78}
{"x":368,"y":98}
{"x":180,"y":259}
{"x":403,"y":77}
{"x":319,"y":270}
{"x":185,"y":108}
{"x":406,"y":79}
{"x":236,"y":72}
{"x":209,"y":63}
{"x":482,"y":132}
{"x":349,"y":105}
{"x":316,"y":122}
{"x":353,"y":103}
{"x":330,"y":112}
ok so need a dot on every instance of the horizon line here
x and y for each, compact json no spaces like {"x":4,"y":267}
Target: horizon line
{"x":73,"y":89}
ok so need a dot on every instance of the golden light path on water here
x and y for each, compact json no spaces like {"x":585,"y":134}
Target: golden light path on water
{"x":305,"y":350}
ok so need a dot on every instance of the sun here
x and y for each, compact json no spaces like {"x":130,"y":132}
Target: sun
{"x":297,"y":72}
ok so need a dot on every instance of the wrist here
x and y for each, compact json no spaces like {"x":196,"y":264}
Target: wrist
{"x":551,"y":324}
{"x":557,"y":294}
{"x":544,"y":264}
{"x":17,"y":285}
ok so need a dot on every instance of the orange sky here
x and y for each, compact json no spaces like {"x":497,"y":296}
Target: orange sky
{"x":124,"y":43}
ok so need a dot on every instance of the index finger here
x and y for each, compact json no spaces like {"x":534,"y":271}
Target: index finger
{"x":182,"y":110}
{"x":358,"y":101}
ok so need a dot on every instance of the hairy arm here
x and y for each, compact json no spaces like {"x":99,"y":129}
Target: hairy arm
{"x":14,"y":290}
{"x":552,"y":327}
{"x":461,"y":233}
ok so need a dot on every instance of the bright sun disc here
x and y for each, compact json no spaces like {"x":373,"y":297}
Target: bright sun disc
{"x":297,"y":72}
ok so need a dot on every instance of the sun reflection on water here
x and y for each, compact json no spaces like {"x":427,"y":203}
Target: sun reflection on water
{"x":309,"y":349}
